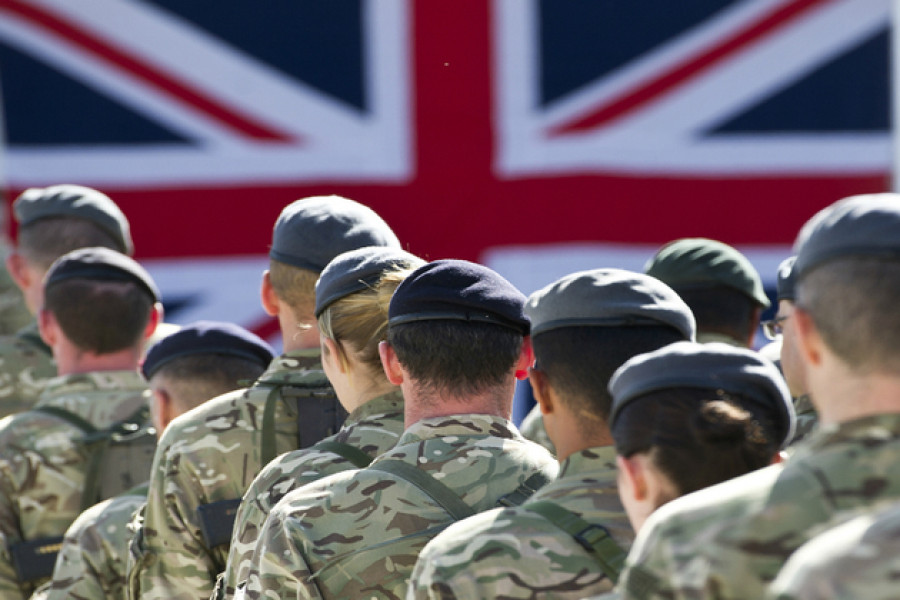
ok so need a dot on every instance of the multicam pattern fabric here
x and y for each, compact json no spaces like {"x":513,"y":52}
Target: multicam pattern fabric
{"x":533,"y":429}
{"x":14,"y":314}
{"x":514,"y":553}
{"x":26,"y":365}
{"x":209,"y":454}
{"x":807,"y":418}
{"x":730,"y":540}
{"x":374,"y":428}
{"x":91,"y":562}
{"x":357,"y":534}
{"x":42,"y":466}
{"x":858,"y":558}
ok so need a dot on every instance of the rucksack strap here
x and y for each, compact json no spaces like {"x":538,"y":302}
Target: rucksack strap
{"x":319,"y":415}
{"x":526,"y":489}
{"x":351,"y":454}
{"x":217,"y":521}
{"x":432,"y":488}
{"x":593,"y":538}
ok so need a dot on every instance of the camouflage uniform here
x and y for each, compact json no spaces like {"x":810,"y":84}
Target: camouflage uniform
{"x":859,"y":558}
{"x":357,"y":534}
{"x":14,"y":314}
{"x":26,"y":364}
{"x":533,"y":429}
{"x":730,"y":540}
{"x":91,"y":562}
{"x":807,"y":417}
{"x":209,"y":454}
{"x":374,"y":428}
{"x":42,"y":468}
{"x":515,"y":553}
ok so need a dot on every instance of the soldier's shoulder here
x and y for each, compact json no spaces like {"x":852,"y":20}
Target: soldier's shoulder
{"x":229,"y":405}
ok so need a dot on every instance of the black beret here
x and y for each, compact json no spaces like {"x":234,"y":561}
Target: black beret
{"x":100,"y":264}
{"x":713,"y":366}
{"x":608,"y":298}
{"x":310,"y":232}
{"x":785,"y":286}
{"x":357,"y":270}
{"x":458,"y":290}
{"x":866,"y":225}
{"x":207,"y":337}
{"x":75,"y":201}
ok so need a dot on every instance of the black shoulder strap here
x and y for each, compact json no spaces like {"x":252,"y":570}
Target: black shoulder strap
{"x":593,"y":538}
{"x":526,"y":489}
{"x":349,"y":453}
{"x":319,"y":415}
{"x":68,"y":417}
{"x":34,"y":560}
{"x":433,"y":488}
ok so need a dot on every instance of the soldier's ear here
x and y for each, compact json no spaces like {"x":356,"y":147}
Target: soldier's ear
{"x":526,"y":359}
{"x":809,"y":341}
{"x":540,"y":388}
{"x":48,"y":327}
{"x":267,"y":296}
{"x":390,"y":363}
{"x":18,"y":270}
{"x":631,"y":470}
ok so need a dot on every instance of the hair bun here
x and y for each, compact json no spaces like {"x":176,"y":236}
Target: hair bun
{"x":720,"y":422}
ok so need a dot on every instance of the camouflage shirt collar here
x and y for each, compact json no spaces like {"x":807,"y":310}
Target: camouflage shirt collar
{"x":294,"y":367}
{"x":459,"y":426}
{"x":881,"y":427}
{"x":391,"y":402}
{"x":597,"y":458}
{"x":803,"y":405}
{"x":124,"y":392}
{"x":31,"y":335}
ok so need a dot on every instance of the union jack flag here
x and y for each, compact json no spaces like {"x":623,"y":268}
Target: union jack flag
{"x":538,"y":136}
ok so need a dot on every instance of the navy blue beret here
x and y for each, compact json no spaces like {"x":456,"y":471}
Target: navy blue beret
{"x":207,"y":337}
{"x":357,"y":270}
{"x":310,"y":232}
{"x":461,"y":291}
{"x":100,"y":264}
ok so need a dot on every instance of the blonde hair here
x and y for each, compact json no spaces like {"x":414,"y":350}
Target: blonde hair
{"x":296,"y":287}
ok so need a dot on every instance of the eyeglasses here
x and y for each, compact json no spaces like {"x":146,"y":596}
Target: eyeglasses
{"x":773,"y":328}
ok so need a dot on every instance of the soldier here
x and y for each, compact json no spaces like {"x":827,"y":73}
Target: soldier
{"x":52,"y":221}
{"x":457,"y":341}
{"x":583,"y":328}
{"x":99,"y":307}
{"x":208,"y":457}
{"x":196,"y":363}
{"x":352,"y":298}
{"x":730,"y":540}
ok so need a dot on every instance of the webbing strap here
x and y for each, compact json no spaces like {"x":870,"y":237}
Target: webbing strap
{"x":593,"y":538}
{"x":68,"y":417}
{"x":433,"y":488}
{"x":518,"y":496}
{"x":349,"y":453}
{"x":267,"y":449}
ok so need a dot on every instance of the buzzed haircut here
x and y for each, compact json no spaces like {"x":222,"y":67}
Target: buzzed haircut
{"x":720,"y":309}
{"x":455,"y":357}
{"x":45,"y":240}
{"x":195,"y":378}
{"x":295,"y":286}
{"x":579,"y":361}
{"x":100,"y":316}
{"x":854,"y":304}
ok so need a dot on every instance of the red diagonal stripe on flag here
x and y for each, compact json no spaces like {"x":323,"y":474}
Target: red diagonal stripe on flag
{"x":682,"y":72}
{"x":185,"y":93}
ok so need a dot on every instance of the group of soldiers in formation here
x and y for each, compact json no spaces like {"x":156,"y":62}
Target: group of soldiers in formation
{"x":375,"y":457}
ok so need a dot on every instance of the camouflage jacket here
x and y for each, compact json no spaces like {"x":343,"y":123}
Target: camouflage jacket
{"x":42,"y":466}
{"x":515,"y":553}
{"x":533,"y":429}
{"x":807,"y":418}
{"x":374,"y":428}
{"x":210,"y":454}
{"x":91,"y":562}
{"x":357,"y":534}
{"x":730,"y":540}
{"x":26,"y":365}
{"x":14,"y":313}
{"x":857,"y":558}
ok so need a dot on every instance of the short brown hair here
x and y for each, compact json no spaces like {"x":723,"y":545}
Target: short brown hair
{"x":45,"y":240}
{"x":296,"y":287}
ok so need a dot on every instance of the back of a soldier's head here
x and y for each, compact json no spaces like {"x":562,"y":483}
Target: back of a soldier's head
{"x":718,"y":283}
{"x":101,"y":299}
{"x":308,"y":234}
{"x":848,"y":280}
{"x":586,"y":324}
{"x":457,"y":327}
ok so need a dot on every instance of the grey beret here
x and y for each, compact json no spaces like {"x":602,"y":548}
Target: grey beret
{"x":100,"y":264}
{"x":713,"y":366}
{"x":787,"y":281}
{"x":608,"y":298}
{"x":75,"y":201}
{"x":310,"y":232}
{"x":866,"y":225}
{"x":698,"y":262}
{"x":357,"y":270}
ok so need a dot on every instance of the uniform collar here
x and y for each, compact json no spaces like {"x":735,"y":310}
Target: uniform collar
{"x":597,"y":458}
{"x":462,"y":425}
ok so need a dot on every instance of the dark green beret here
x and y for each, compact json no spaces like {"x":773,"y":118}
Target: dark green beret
{"x":207,"y":337}
{"x":693,"y":263}
{"x":608,"y":298}
{"x":458,"y":290}
{"x":75,"y":201}
{"x":310,"y":232}
{"x":866,"y":225}
{"x":100,"y":264}
{"x":786,"y":283}
{"x":357,"y":270}
{"x":713,"y":366}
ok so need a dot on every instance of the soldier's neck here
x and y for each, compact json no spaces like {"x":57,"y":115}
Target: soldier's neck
{"x":72,"y":360}
{"x":422,"y":403}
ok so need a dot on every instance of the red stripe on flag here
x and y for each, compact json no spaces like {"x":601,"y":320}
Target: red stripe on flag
{"x":183,"y":92}
{"x":680,"y":73}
